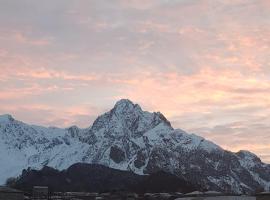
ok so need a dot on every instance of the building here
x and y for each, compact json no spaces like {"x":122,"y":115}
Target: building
{"x":10,"y":194}
{"x":40,"y":193}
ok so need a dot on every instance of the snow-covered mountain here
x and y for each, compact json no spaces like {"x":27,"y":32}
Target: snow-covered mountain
{"x":129,"y":138}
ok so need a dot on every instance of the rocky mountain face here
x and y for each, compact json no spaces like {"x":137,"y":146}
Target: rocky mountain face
{"x":128,"y":138}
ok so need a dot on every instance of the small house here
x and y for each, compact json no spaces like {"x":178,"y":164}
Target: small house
{"x":40,"y":193}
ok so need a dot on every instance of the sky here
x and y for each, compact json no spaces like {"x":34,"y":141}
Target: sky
{"x":205,"y":64}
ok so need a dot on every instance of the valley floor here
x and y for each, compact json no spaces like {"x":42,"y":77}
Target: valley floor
{"x":148,"y":196}
{"x":218,"y":198}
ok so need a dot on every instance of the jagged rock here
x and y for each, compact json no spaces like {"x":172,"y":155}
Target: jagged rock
{"x":116,"y":154}
{"x":140,"y":159}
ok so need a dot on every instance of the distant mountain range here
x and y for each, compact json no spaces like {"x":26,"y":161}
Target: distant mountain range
{"x":130,"y":139}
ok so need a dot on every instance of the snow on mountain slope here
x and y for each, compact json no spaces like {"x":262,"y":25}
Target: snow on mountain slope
{"x":23,"y":146}
{"x":129,"y":138}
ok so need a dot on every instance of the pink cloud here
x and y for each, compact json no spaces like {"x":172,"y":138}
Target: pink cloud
{"x":205,"y":67}
{"x":21,"y":38}
{"x":46,"y":115}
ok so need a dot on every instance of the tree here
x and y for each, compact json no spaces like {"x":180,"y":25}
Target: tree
{"x":10,"y":182}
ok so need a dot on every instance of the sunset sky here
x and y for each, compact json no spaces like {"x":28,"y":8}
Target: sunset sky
{"x":205,"y":64}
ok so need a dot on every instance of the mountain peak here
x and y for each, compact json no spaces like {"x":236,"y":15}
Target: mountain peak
{"x":124,"y":101}
{"x":126,"y":105}
{"x":128,"y":119}
{"x":6,"y":118}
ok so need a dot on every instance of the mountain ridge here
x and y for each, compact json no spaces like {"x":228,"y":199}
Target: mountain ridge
{"x":82,"y":177}
{"x":128,"y":138}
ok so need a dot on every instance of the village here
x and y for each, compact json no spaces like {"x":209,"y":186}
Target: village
{"x":42,"y":193}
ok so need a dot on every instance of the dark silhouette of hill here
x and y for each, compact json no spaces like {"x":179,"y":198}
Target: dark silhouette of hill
{"x":83,"y":177}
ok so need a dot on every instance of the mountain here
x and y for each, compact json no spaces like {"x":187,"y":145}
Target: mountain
{"x":128,"y":138}
{"x":82,"y":177}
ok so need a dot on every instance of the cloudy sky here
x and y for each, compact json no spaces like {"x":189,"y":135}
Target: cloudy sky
{"x":205,"y":64}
